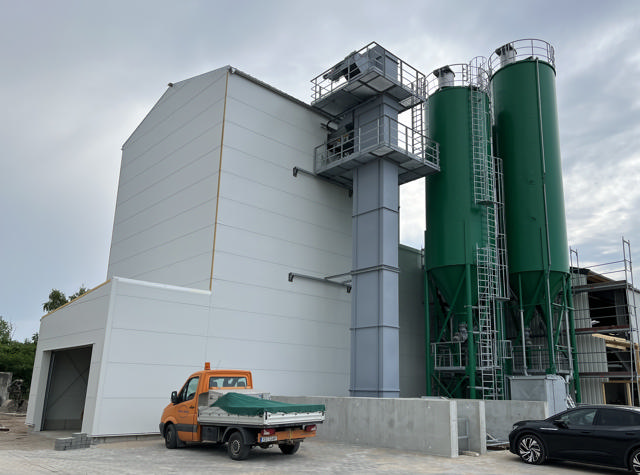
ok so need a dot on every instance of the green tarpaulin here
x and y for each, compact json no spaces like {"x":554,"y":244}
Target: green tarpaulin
{"x":243,"y":405}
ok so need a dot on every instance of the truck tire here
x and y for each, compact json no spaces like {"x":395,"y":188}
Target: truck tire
{"x":236,"y":447}
{"x":289,"y":449}
{"x":171,"y":437}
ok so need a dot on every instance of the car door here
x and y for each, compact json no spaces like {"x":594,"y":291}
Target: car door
{"x":614,"y":431}
{"x":186,"y":410}
{"x":569,"y":438}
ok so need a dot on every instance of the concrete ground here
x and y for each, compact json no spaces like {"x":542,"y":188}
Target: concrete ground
{"x":22,"y":452}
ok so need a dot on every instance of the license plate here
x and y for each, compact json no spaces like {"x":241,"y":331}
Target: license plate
{"x":269,"y":438}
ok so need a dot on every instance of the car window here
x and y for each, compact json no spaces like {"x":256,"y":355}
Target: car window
{"x":230,"y":382}
{"x":189,"y":390}
{"x":578,"y":417}
{"x":617,"y":417}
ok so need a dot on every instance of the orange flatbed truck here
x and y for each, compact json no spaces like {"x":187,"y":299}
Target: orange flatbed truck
{"x":221,"y":406}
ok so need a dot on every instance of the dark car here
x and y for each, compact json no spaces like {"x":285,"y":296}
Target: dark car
{"x":602,"y":435}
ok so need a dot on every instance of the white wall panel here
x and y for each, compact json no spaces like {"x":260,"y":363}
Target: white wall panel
{"x":165,"y":211}
{"x":273,"y":105}
{"x":165,"y":190}
{"x":275,"y":173}
{"x":156,"y":338}
{"x":294,"y":335}
{"x":163,"y":165}
{"x":130,"y":416}
{"x":275,"y":199}
{"x":284,"y":252}
{"x":180,"y":97}
{"x":191,"y":209}
{"x":299,"y":299}
{"x":79,"y":323}
{"x":260,"y":219}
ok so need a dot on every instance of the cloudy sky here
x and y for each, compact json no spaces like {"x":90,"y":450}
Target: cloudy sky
{"x":78,"y":76}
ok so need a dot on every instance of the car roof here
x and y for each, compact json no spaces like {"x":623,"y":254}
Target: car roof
{"x":606,"y":406}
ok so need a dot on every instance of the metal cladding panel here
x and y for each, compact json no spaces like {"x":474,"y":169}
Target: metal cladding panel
{"x":155,"y":338}
{"x":454,"y":221}
{"x":412,"y":321}
{"x":165,"y":210}
{"x":527,"y":140}
{"x":294,"y":335}
{"x":78,"y":324}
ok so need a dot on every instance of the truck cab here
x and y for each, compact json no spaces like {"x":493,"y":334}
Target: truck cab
{"x":182,"y":413}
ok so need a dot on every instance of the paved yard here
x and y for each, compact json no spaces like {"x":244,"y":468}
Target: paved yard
{"x":32,"y":453}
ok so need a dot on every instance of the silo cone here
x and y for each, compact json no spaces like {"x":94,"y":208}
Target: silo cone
{"x":527,"y":140}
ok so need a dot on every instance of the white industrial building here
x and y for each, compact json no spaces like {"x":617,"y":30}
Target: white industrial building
{"x":213,"y":237}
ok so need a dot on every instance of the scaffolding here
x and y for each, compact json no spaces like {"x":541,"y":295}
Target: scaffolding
{"x":607,"y":329}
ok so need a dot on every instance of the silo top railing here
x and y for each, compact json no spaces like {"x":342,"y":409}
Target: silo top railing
{"x":521,"y":50}
{"x":473,"y":74}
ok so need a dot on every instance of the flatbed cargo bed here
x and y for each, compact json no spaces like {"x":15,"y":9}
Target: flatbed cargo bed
{"x":241,"y":409}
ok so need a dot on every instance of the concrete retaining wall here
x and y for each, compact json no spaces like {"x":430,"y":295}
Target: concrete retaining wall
{"x":500,"y":415}
{"x":473,"y":410}
{"x":424,"y":425}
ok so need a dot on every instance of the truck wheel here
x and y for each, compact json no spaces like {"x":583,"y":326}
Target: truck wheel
{"x":289,"y":449}
{"x":236,"y":448}
{"x":171,"y":437}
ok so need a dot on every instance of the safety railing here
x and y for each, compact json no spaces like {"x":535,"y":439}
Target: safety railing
{"x":474,"y":74}
{"x":371,"y":57}
{"x":383,"y":131}
{"x":519,"y":50}
{"x":448,"y":355}
{"x":538,"y":358}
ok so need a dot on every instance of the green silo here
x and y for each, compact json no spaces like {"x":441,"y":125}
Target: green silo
{"x":457,"y":114}
{"x":526,"y":138}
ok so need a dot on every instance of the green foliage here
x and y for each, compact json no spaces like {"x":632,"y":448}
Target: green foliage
{"x":16,"y":357}
{"x":81,"y":290}
{"x":6,"y":331}
{"x":57,"y":298}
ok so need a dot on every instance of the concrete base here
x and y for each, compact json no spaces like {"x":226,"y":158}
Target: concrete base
{"x":429,"y":426}
{"x":423,"y":425}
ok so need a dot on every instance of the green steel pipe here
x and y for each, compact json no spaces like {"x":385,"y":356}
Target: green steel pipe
{"x":427,"y":328}
{"x":471,"y":365}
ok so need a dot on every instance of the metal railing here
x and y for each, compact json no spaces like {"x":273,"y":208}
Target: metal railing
{"x":384,"y":130}
{"x":371,"y":57}
{"x":448,"y":355}
{"x":474,"y":74}
{"x":521,"y":49}
{"x":538,"y":358}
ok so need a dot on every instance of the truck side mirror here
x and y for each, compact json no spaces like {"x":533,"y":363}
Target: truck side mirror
{"x":174,"y":397}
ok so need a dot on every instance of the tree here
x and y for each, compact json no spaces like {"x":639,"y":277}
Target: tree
{"x":81,"y":290}
{"x":6,"y":331}
{"x":16,"y":357}
{"x":56,"y":299}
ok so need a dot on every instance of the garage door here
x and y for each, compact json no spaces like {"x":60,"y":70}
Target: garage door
{"x":66,"y":389}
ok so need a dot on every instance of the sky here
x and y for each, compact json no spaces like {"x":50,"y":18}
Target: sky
{"x":77,"y":77}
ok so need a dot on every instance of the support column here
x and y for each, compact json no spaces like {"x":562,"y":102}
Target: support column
{"x":374,"y":315}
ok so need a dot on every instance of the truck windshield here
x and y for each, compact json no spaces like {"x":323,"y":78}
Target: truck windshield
{"x":231,"y":382}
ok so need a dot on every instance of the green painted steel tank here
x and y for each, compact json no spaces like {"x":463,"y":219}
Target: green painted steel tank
{"x":526,"y":139}
{"x":454,"y":220}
